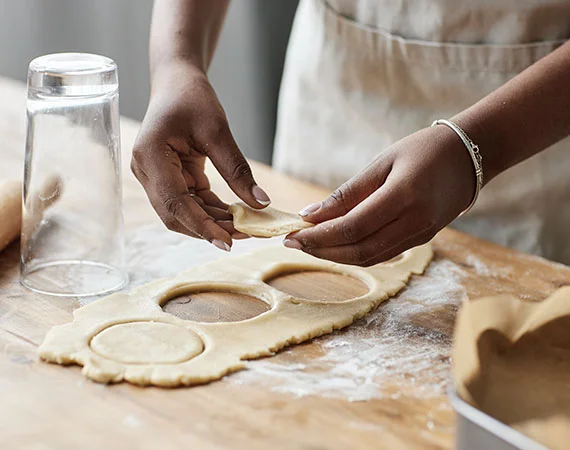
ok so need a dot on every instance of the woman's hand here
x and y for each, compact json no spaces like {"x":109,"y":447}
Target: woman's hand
{"x":401,"y":200}
{"x":183,"y":125}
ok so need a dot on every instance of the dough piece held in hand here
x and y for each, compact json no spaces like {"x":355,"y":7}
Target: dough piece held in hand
{"x":267,"y":222}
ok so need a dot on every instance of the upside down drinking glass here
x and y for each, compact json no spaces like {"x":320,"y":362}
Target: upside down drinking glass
{"x":72,"y":230}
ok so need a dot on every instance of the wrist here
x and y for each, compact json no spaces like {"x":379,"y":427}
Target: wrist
{"x":473,"y":150}
{"x":454,"y":161}
{"x":175,"y":72}
{"x":493,"y":162}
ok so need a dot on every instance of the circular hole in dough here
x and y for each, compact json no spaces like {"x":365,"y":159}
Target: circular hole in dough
{"x":215,"y":306}
{"x":318,"y":285}
{"x":147,"y":343}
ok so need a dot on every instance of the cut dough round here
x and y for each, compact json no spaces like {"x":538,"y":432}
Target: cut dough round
{"x":147,"y":343}
{"x":267,"y":222}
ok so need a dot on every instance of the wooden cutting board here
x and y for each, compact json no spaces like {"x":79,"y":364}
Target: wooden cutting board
{"x":52,"y":407}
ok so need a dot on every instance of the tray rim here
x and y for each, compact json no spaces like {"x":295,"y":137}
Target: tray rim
{"x":493,"y":426}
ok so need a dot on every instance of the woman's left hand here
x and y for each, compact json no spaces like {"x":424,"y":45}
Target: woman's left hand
{"x":401,"y":200}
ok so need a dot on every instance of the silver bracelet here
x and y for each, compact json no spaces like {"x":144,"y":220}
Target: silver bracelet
{"x":473,"y":150}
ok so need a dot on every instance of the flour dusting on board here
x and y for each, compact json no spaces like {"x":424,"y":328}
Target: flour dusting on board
{"x":396,"y":350}
{"x":155,"y":252}
{"x":390,"y":343}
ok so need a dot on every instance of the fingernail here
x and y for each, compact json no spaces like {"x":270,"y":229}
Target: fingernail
{"x":260,"y":195}
{"x":312,"y":208}
{"x":221,"y":245}
{"x":292,"y":243}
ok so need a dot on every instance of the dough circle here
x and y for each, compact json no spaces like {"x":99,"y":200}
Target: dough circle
{"x":267,"y":222}
{"x":147,"y":343}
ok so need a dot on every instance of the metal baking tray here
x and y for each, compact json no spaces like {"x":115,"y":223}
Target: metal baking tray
{"x":478,"y":431}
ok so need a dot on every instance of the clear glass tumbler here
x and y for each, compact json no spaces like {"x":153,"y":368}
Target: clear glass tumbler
{"x":72,"y":233}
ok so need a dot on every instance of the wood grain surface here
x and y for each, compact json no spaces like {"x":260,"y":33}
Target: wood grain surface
{"x":51,"y":407}
{"x":319,"y":285}
{"x":215,"y":306}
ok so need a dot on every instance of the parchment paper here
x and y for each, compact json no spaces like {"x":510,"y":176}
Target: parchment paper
{"x":511,"y":360}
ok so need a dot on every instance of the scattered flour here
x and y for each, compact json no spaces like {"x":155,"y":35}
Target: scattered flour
{"x":154,"y":252}
{"x":132,"y":421}
{"x":479,"y":266}
{"x":388,"y":344}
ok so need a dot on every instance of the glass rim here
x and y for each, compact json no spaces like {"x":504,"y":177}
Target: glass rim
{"x":29,"y":270}
{"x":72,"y":63}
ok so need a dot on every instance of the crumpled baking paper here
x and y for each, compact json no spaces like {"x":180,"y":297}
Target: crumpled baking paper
{"x":511,"y":360}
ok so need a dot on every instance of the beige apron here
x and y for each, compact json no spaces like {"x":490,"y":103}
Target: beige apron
{"x":361,"y":74}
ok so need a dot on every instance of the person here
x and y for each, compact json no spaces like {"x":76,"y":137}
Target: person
{"x":363,"y":81}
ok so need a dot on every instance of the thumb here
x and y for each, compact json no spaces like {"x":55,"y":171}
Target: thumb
{"x":349,"y":194}
{"x":234,"y":168}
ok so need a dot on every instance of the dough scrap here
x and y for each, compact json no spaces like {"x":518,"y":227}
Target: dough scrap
{"x":267,"y":222}
{"x":105,"y":336}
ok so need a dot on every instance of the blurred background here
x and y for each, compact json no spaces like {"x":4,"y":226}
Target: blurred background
{"x":246,"y":70}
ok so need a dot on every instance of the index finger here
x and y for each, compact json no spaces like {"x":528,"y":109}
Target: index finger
{"x":364,"y":219}
{"x":168,"y":193}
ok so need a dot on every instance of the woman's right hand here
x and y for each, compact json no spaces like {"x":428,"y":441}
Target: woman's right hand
{"x":185,"y":124}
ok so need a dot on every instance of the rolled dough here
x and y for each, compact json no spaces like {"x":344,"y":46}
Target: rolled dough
{"x":267,"y":222}
{"x":129,"y":337}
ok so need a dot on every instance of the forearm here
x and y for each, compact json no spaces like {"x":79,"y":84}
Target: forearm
{"x":524,"y":116}
{"x":185,"y":31}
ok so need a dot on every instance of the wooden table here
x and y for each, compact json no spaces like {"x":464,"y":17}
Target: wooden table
{"x":50,"y":407}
